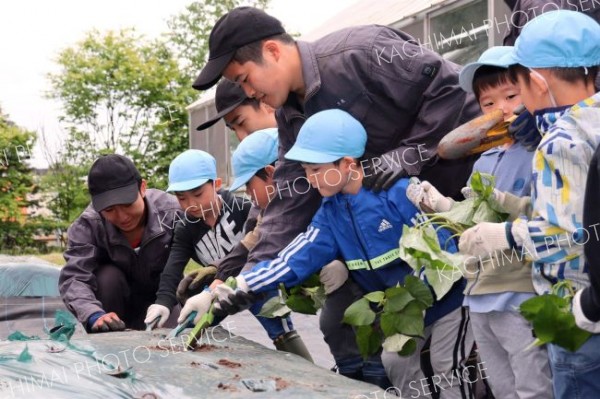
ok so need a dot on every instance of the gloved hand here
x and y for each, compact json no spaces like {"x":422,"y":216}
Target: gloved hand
{"x":233,"y":300}
{"x":199,"y":303}
{"x":383,"y":171}
{"x":426,"y":197}
{"x":524,"y":129}
{"x":483,"y":239}
{"x":155,"y":311}
{"x":583,"y":322}
{"x":108,"y":322}
{"x":194,"y":283}
{"x":333,"y":275}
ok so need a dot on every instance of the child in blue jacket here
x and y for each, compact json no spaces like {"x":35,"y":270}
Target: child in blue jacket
{"x":364,"y":229}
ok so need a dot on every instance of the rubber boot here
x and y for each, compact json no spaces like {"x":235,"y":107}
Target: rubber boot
{"x":291,"y":342}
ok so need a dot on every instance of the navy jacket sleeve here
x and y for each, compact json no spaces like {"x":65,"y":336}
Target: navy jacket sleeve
{"x":304,"y":256}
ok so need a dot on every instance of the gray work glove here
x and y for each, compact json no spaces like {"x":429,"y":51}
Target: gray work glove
{"x":333,"y":275}
{"x":194,"y":283}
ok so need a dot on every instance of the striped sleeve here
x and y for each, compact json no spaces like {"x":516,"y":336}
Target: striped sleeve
{"x":304,"y":256}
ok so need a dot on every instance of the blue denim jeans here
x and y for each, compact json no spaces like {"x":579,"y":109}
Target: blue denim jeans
{"x":576,"y":374}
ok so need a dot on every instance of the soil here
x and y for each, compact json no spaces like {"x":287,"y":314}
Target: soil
{"x":227,"y":387}
{"x":281,"y":384}
{"x":229,"y":363}
{"x":205,"y":348}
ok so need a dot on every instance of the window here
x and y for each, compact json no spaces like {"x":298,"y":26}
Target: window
{"x":460,"y":34}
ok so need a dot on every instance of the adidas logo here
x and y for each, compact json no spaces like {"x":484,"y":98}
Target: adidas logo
{"x":384,"y":225}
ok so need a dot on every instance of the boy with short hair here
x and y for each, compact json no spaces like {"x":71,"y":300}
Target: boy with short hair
{"x":555,"y":61}
{"x":348,"y":225}
{"x":496,"y":288}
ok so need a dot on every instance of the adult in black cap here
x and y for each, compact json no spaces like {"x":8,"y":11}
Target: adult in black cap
{"x":117,"y":248}
{"x":242,"y":114}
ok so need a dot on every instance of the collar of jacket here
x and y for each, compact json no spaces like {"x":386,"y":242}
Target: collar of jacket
{"x":545,"y":118}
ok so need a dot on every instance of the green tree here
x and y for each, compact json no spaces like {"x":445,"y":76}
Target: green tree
{"x":122,"y":93}
{"x":15,"y":174}
{"x":190,"y":29}
{"x":17,"y":230}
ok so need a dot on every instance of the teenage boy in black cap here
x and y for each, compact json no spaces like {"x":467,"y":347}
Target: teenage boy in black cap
{"x":117,"y":248}
{"x":242,"y":114}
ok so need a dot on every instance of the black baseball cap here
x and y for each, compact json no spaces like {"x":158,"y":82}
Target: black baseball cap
{"x":241,"y":26}
{"x":229,"y":95}
{"x":113,"y":180}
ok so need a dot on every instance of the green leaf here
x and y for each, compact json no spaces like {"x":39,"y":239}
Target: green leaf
{"x":419,"y":290}
{"x":387,"y":323}
{"x":359,"y":313}
{"x":553,"y":322}
{"x":317,"y":295}
{"x":274,"y":308}
{"x":301,"y":304}
{"x":461,"y":212}
{"x":368,"y":340}
{"x":375,"y":297}
{"x":409,"y":348}
{"x":410,"y":321}
{"x":402,"y":344}
{"x":397,"y":299}
{"x":441,"y":277}
{"x":312,"y":281}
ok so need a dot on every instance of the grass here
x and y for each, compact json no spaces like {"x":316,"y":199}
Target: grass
{"x":57,"y":259}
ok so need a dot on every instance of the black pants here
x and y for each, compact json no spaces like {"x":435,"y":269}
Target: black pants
{"x":117,"y":295}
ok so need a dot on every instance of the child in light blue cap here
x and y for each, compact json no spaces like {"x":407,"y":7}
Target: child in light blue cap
{"x":363,"y":228}
{"x":555,"y":61}
{"x":253,"y":164}
{"x":497,"y":286}
{"x":212,"y":223}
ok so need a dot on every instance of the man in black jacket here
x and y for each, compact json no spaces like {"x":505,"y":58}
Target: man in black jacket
{"x":117,"y":248}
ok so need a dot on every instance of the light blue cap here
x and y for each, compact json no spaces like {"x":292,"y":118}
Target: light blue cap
{"x":191,"y":169}
{"x":562,"y":38}
{"x":490,"y":57}
{"x":328,"y":136}
{"x":254,"y":153}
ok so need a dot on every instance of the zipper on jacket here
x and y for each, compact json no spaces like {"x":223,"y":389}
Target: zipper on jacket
{"x":362,"y":246}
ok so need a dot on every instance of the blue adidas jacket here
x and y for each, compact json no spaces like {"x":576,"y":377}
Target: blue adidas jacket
{"x":363,"y":229}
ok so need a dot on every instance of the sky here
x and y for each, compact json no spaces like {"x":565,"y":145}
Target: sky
{"x":33,"y":32}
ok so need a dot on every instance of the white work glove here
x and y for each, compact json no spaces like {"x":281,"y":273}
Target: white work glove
{"x":333,"y":275}
{"x":583,"y":322}
{"x":483,"y":239}
{"x":427,"y":198}
{"x":155,"y":311}
{"x":199,"y":303}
